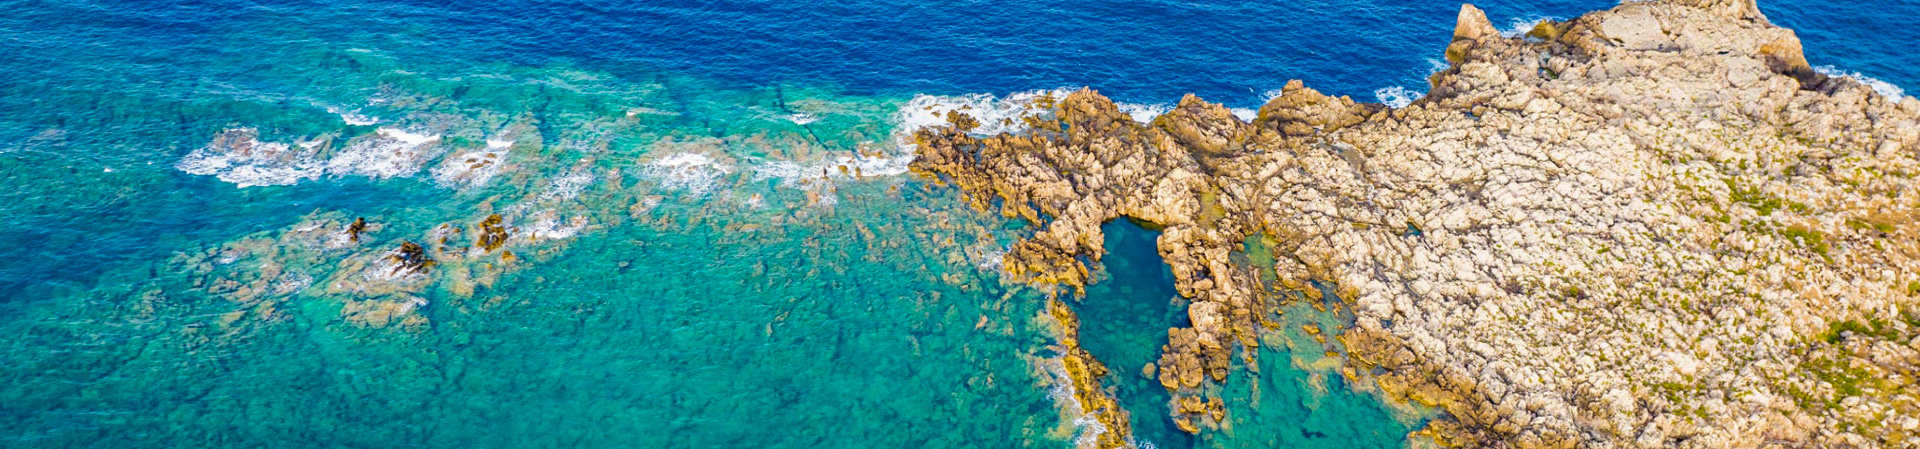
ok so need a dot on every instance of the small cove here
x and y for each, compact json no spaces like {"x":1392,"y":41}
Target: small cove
{"x":1295,"y":398}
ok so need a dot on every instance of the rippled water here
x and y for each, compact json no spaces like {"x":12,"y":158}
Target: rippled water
{"x":713,"y":241}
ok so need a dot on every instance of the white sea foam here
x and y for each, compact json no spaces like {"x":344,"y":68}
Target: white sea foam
{"x":1144,"y":113}
{"x":391,"y":152}
{"x":1245,"y":114}
{"x":1088,"y":427}
{"x":470,"y":169}
{"x":569,"y":186}
{"x":835,"y":168}
{"x":690,"y":172}
{"x":989,"y":258}
{"x":353,"y":117}
{"x":639,"y":111}
{"x":1518,"y":27}
{"x":413,"y":302}
{"x":698,"y":173}
{"x":995,"y":114}
{"x":473,"y":168}
{"x":388,"y":268}
{"x":802,"y":118}
{"x":238,"y":156}
{"x":1884,"y":88}
{"x":825,"y":195}
{"x":1270,"y":94}
{"x":1397,"y":97}
{"x":549,"y":227}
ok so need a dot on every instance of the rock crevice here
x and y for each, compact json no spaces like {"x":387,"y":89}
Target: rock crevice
{"x":1650,"y":226}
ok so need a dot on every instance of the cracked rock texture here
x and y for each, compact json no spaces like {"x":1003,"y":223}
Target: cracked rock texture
{"x":1650,"y":226}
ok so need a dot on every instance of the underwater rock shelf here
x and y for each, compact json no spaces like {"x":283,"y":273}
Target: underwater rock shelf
{"x":1653,"y":225}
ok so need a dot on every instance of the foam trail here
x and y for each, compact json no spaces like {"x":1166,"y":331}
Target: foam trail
{"x":690,"y":172}
{"x":1884,"y":88}
{"x":839,"y":167}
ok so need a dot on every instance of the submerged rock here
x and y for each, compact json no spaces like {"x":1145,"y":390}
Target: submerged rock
{"x":1653,"y":225}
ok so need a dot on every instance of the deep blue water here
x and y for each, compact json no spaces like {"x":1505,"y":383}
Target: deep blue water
{"x":1141,"y":51}
{"x":808,"y":323}
{"x":139,"y":83}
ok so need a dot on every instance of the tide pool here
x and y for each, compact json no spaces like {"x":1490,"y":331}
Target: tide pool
{"x":1123,"y":322}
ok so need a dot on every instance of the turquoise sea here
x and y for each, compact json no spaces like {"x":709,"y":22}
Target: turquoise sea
{"x":710,"y":240}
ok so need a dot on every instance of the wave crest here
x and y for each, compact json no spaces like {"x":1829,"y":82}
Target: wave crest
{"x":1882,"y":87}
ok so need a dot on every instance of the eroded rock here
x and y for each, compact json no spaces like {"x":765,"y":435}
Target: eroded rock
{"x":1647,"y":226}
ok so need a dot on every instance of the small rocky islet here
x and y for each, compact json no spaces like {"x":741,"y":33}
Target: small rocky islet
{"x":1649,"y":226}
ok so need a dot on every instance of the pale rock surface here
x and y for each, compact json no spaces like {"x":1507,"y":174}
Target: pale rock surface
{"x":1651,"y":226}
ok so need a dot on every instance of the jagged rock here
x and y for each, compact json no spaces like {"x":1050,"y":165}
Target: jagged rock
{"x":493,"y":233}
{"x":1648,"y":226}
{"x":353,"y":230}
{"x":409,"y":258}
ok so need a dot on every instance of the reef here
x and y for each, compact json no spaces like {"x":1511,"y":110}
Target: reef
{"x":354,"y":230}
{"x":1649,"y":226}
{"x":410,"y":258}
{"x":492,"y":233}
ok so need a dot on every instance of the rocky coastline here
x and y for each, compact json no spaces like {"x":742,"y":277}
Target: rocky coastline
{"x":1650,"y":226}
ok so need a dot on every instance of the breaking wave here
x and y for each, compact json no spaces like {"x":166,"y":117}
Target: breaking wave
{"x":1396,"y":96}
{"x":995,"y":114}
{"x":1144,"y":113}
{"x":1519,"y":27}
{"x":1882,"y":87}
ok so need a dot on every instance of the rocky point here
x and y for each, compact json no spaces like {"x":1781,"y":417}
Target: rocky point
{"x":1649,"y":226}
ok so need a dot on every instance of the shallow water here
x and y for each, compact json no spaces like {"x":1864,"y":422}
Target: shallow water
{"x":692,"y":267}
{"x":1124,"y":320}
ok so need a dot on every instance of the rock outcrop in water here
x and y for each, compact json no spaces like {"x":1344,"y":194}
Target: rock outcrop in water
{"x":1651,"y":226}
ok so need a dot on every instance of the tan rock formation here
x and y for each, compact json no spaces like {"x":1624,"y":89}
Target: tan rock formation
{"x":1651,"y":226}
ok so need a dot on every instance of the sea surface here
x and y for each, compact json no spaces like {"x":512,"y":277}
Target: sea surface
{"x":713,"y":238}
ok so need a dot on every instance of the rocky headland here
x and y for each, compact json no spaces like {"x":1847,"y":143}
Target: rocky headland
{"x":1650,"y":226}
